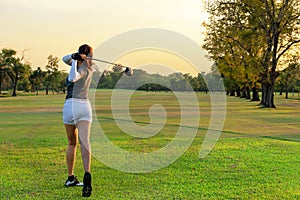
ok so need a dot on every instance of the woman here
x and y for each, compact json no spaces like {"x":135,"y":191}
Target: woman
{"x":77,"y":114}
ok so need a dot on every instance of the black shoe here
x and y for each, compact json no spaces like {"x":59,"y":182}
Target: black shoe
{"x":87,"y":185}
{"x":72,"y":181}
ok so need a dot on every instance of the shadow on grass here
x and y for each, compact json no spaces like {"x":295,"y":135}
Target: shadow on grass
{"x":287,"y":137}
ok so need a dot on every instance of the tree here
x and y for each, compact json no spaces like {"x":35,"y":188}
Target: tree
{"x":24,"y":79}
{"x":20,"y":67}
{"x":16,"y":68}
{"x":195,"y":83}
{"x":231,"y":41}
{"x":287,"y":78}
{"x":51,"y":73}
{"x":62,"y":81}
{"x":36,"y":79}
{"x":201,"y":80}
{"x":237,"y":27}
{"x":279,"y":21}
{"x":6,"y":64}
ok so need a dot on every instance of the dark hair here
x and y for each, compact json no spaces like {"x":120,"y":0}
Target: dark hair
{"x":85,"y":49}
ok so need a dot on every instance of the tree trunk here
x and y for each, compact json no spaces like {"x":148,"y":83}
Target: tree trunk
{"x":52,"y":85}
{"x":47,"y":89}
{"x":31,"y":88}
{"x":255,"y":94}
{"x":232,"y":93}
{"x":281,"y":90}
{"x":272,"y":100}
{"x":286,"y":93}
{"x":0,"y":82}
{"x":243,"y":90}
{"x":238,"y":91}
{"x":248,"y":95}
{"x":15,"y":85}
{"x":269,"y":101}
{"x":268,"y":97}
{"x":264,"y":93}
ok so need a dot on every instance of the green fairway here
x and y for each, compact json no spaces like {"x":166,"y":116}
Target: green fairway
{"x":256,"y":157}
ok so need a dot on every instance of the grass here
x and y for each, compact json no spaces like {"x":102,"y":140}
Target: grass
{"x":257,"y":156}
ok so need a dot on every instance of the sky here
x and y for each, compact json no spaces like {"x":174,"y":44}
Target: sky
{"x":59,"y":27}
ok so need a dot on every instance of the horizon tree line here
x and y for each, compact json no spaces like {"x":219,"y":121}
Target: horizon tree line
{"x":17,"y":74}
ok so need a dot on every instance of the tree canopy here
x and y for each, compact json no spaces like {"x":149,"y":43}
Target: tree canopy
{"x":247,"y":39}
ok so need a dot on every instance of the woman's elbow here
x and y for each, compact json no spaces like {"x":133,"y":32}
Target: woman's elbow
{"x":72,"y":80}
{"x":67,"y":59}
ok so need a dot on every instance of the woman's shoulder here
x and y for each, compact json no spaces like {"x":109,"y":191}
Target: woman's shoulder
{"x":85,"y":67}
{"x":85,"y":70}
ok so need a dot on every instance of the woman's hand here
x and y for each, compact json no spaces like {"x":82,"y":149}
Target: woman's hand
{"x":78,"y":56}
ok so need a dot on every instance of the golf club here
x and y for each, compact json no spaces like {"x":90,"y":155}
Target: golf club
{"x":127,"y":70}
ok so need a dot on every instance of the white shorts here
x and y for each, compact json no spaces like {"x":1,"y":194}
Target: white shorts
{"x":76,"y":110}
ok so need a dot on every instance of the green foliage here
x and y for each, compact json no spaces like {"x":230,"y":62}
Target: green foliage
{"x":141,"y":80}
{"x":14,"y":71}
{"x":52,"y":78}
{"x":24,"y":79}
{"x":247,"y":40}
{"x":6,"y":72}
{"x":288,"y":78}
{"x":36,"y":79}
{"x":16,"y":74}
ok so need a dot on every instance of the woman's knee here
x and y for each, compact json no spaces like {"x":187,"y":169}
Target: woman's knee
{"x":72,"y":142}
{"x":71,"y":134}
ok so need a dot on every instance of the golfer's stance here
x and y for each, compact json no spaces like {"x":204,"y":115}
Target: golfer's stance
{"x":77,"y":114}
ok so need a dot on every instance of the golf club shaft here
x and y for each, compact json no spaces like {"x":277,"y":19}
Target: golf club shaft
{"x":104,"y":61}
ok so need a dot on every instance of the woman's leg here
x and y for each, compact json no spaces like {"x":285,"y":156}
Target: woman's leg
{"x":71,"y":150}
{"x":84,"y":137}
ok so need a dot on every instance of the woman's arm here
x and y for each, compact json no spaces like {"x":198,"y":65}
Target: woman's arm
{"x":74,"y":75}
{"x":67,"y":59}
